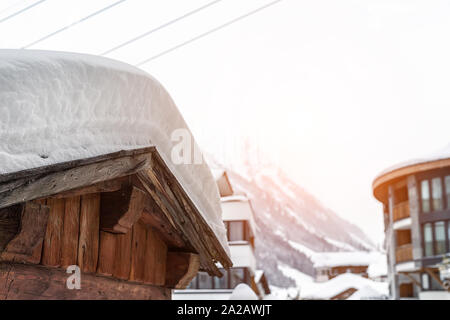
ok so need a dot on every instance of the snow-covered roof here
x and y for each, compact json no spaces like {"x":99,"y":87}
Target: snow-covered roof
{"x":235,"y":197}
{"x":435,"y":156}
{"x":243,"y":292}
{"x":341,"y":283}
{"x":336,"y":259}
{"x":57,"y":107}
{"x":378,"y":267}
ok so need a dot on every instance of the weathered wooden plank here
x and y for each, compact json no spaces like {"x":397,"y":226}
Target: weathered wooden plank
{"x":138,"y":250}
{"x":107,"y":254}
{"x":121,"y":209}
{"x":69,"y":248}
{"x":9,"y":224}
{"x":181,"y":268}
{"x":51,"y":251}
{"x":89,"y":232}
{"x":179,"y":209}
{"x":33,"y":224}
{"x":21,"y":281}
{"x":123,"y":254}
{"x":153,"y":217}
{"x":155,"y":259}
{"x":104,"y":186}
{"x":39,"y":171}
{"x":52,"y":183}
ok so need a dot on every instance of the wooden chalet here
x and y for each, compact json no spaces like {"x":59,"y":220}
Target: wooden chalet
{"x":122,"y":218}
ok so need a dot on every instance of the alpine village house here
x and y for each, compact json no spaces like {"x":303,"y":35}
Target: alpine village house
{"x":416,"y":208}
{"x":238,"y":218}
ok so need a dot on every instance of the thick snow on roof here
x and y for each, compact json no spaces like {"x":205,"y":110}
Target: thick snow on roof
{"x":336,"y":259}
{"x":378,"y":267}
{"x":341,"y":283}
{"x":243,"y":292}
{"x":326,"y":290}
{"x":58,"y":107}
{"x":366,"y":293}
{"x":435,"y":156}
{"x":234,"y":197}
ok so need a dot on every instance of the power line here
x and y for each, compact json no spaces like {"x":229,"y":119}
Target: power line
{"x":160,"y":27}
{"x":73,"y":24}
{"x":21,"y":11}
{"x":207,"y":33}
{"x":12,"y":6}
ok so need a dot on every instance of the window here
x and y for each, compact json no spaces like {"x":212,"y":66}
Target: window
{"x":425,"y":193}
{"x":448,"y":233}
{"x":428,"y":239}
{"x":236,"y":230}
{"x":436,"y":188}
{"x":204,"y":281}
{"x":425,"y":281}
{"x":447,"y":190}
{"x":439,"y":232}
{"x":221,"y":283}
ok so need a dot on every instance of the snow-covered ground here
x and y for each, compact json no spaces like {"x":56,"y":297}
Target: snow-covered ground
{"x":58,"y":107}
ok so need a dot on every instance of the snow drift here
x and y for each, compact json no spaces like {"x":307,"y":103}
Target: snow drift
{"x":57,"y":107}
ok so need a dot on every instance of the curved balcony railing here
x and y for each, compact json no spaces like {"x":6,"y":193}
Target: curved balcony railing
{"x":401,"y":211}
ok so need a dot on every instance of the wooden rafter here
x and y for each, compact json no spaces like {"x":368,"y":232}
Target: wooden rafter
{"x":51,"y":180}
{"x":170,"y":212}
{"x":178,"y":207}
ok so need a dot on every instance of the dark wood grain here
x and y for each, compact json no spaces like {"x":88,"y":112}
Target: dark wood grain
{"x":89,"y":232}
{"x":181,"y":268}
{"x":121,"y":209}
{"x":71,"y":229}
{"x":33,"y":223}
{"x":29,"y":282}
{"x":54,"y":182}
{"x":51,"y":252}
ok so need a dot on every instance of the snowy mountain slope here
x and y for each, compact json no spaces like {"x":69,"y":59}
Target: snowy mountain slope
{"x":291,"y":220}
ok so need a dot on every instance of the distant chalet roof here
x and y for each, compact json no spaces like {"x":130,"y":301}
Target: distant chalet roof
{"x":59,"y":110}
{"x":434,"y":160}
{"x":337,"y":259}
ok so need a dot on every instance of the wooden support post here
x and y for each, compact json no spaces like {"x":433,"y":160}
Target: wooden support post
{"x":69,"y":249}
{"x":414,"y":280}
{"x":121,"y":209}
{"x":89,"y":232}
{"x":107,"y":254}
{"x":51,"y":254}
{"x":33,"y":224}
{"x":155,"y":259}
{"x":181,"y":268}
{"x":435,"y":277}
{"x":123,"y":254}
{"x":139,"y":243}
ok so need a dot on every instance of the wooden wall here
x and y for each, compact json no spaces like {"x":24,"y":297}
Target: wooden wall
{"x":72,"y":235}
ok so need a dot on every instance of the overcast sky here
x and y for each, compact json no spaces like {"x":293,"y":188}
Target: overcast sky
{"x":335,"y":91}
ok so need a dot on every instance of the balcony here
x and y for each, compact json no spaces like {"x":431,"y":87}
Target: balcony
{"x":404,"y":253}
{"x":401,"y":211}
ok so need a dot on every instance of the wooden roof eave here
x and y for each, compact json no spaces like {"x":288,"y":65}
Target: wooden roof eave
{"x":152,"y":172}
{"x":379,"y":185}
